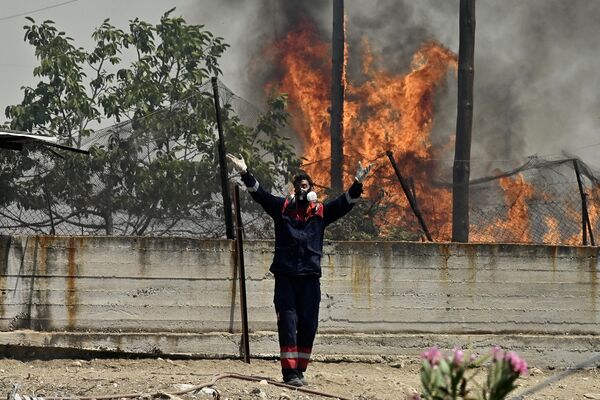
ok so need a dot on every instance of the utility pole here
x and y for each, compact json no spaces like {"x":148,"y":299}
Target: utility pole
{"x":464,"y":123}
{"x":337,"y":97}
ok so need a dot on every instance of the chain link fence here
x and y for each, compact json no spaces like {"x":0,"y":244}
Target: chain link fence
{"x":541,"y":201}
{"x":124,"y":191}
{"x":128,"y":193}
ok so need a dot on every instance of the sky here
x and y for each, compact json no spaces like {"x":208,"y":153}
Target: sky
{"x":537,"y":81}
{"x":79,"y":18}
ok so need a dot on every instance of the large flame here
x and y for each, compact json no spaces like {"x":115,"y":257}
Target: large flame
{"x":394,"y":112}
{"x":386,"y":112}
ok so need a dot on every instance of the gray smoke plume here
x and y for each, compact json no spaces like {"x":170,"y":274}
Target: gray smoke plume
{"x":536,"y":80}
{"x":537,"y":89}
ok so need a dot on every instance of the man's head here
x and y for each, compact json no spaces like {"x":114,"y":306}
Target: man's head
{"x":303,"y":185}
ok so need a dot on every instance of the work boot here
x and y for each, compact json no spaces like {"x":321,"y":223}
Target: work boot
{"x":302,"y":378}
{"x":293,"y":380}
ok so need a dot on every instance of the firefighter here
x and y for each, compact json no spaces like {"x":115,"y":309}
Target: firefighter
{"x":300,"y":222}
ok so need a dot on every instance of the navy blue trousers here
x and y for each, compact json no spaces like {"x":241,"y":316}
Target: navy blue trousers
{"x":296,"y":301}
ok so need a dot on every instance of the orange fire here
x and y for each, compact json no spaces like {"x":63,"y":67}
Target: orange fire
{"x":553,"y":225}
{"x":517,"y":193}
{"x":305,"y":77}
{"x":387,"y":111}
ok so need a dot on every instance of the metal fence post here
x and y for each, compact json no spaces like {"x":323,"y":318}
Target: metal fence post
{"x":239,"y":249}
{"x":47,"y":195}
{"x":223,"y":164}
{"x":413,"y":204}
{"x":585,"y":218}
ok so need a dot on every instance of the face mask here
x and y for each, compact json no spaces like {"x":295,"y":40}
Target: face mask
{"x":301,"y":195}
{"x":305,"y":195}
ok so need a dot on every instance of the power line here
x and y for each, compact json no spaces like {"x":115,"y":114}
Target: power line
{"x":37,"y":10}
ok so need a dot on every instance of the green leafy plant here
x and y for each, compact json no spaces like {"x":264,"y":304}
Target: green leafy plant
{"x":452,"y":377}
{"x":158,"y":163}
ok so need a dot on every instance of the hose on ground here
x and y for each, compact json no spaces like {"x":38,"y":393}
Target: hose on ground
{"x":15,"y":396}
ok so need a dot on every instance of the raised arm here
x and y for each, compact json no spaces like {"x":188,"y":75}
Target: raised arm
{"x":339,"y":207}
{"x":270,"y":203}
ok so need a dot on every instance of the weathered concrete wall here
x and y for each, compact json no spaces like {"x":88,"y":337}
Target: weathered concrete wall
{"x":117,"y":284}
{"x":178,"y":286}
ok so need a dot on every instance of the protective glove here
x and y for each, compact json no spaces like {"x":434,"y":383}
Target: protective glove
{"x":238,"y":163}
{"x":362,"y":172}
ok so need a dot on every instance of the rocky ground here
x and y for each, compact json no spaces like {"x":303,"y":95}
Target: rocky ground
{"x":350,"y":380}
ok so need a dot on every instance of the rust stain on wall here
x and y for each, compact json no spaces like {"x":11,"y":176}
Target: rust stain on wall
{"x":39,"y":284}
{"x":361,"y":276}
{"x":44,"y":242}
{"x":471,"y":272}
{"x":71,"y":294}
{"x":472,"y":257}
{"x":553,"y":255}
{"x":444,"y":250}
{"x":330,"y":266}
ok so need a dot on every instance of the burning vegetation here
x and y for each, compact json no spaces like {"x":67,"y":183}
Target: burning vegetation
{"x":388,"y":111}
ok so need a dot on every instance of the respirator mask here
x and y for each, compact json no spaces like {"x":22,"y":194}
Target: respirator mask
{"x":306,"y":195}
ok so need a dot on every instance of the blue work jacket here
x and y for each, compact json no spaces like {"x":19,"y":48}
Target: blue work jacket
{"x":299,"y":232}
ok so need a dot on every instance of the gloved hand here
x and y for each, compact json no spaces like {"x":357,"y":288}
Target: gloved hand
{"x":362,"y":172}
{"x":238,"y":163}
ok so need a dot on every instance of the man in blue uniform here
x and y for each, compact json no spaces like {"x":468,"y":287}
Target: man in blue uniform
{"x":300,"y":223}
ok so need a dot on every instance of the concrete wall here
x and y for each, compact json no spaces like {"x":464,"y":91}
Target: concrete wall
{"x":131,"y":288}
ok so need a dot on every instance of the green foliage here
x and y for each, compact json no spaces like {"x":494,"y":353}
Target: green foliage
{"x":160,"y":162}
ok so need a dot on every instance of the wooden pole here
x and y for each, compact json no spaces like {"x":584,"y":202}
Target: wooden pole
{"x":337,"y":97}
{"x":223,"y":165}
{"x":464,"y":122}
{"x":585,"y":217}
{"x":411,"y":200}
{"x":239,"y":250}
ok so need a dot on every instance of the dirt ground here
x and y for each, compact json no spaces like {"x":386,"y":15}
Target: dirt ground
{"x":357,"y":381}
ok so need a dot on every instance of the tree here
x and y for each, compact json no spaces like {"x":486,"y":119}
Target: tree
{"x":159,"y":164}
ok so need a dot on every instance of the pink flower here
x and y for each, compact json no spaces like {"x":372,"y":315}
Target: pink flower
{"x":522,"y":369}
{"x":458,"y":357}
{"x":433,"y":355}
{"x":517,"y":364}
